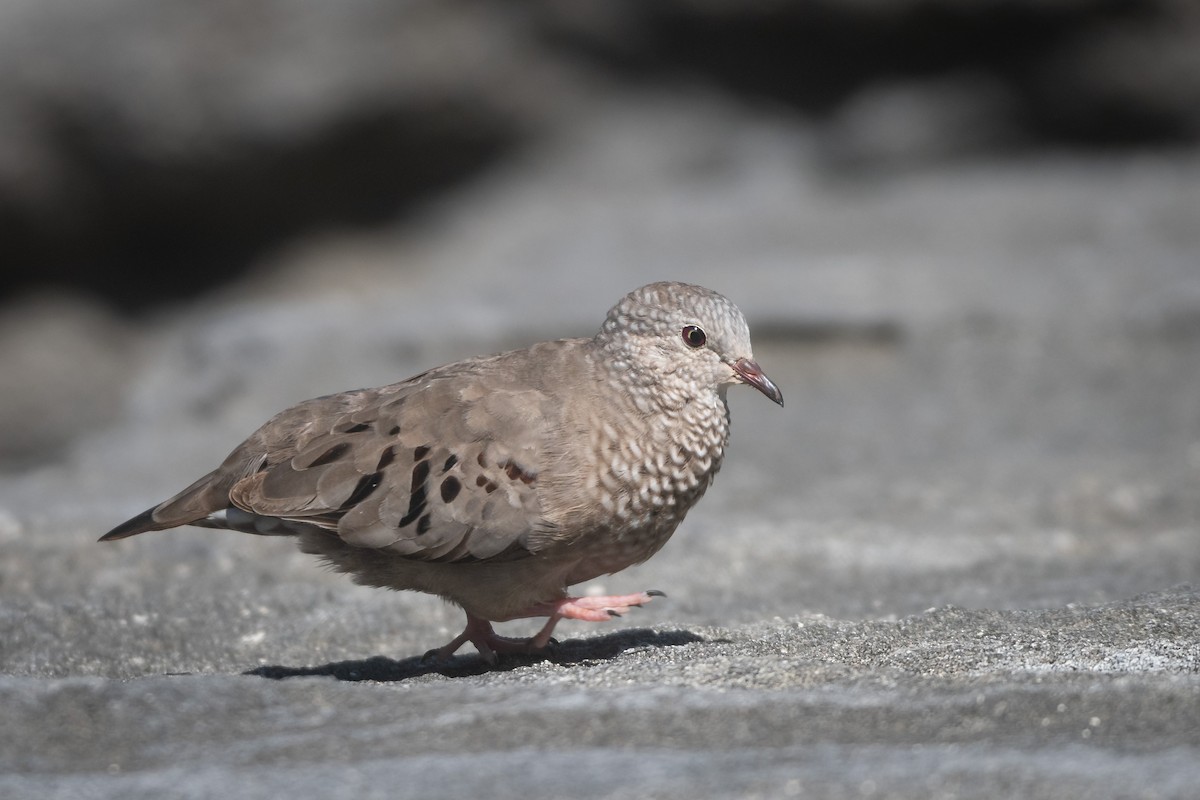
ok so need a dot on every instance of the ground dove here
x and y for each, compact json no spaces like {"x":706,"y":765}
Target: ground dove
{"x":498,"y":482}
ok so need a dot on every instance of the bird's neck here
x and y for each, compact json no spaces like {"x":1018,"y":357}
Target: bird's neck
{"x":674,"y":429}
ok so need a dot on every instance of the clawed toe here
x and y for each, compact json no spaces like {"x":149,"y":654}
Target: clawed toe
{"x":479,"y":631}
{"x":597,"y":609}
{"x":441,"y":655}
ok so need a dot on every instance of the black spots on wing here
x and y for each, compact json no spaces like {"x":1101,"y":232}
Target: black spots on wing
{"x":513,"y":470}
{"x":386,"y":457}
{"x":417,"y":498}
{"x":424,"y":524}
{"x":420,"y":474}
{"x":352,"y":427}
{"x":394,"y":430}
{"x":366,"y":485}
{"x":450,"y":462}
{"x":420,"y":452}
{"x":451,"y":486}
{"x":519,"y":473}
{"x":329,"y":456}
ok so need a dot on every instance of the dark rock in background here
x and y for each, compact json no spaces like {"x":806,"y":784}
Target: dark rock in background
{"x":1093,"y":72}
{"x":155,"y":149}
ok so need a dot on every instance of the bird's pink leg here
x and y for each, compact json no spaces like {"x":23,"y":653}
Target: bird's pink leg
{"x":479,"y":631}
{"x":589,"y":609}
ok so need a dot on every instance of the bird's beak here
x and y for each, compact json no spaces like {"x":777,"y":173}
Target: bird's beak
{"x":750,"y":372}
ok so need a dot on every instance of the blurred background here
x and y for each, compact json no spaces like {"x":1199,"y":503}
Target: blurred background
{"x":154,"y":151}
{"x":966,"y":234}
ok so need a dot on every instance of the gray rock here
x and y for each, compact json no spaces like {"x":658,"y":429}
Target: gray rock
{"x":67,"y":363}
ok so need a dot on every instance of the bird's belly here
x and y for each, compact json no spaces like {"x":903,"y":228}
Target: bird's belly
{"x":608,"y":551}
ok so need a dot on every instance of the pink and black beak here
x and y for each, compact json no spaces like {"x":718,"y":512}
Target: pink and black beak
{"x":751,"y":373}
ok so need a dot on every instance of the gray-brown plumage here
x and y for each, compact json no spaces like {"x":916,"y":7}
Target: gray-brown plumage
{"x":498,"y":482}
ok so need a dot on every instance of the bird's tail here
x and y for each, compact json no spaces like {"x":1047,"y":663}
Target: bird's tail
{"x":195,"y":503}
{"x":140,"y":524}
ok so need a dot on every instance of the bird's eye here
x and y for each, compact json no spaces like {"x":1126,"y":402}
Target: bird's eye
{"x":693,"y":336}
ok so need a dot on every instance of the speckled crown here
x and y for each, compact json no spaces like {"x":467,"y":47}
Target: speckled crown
{"x":645,"y":310}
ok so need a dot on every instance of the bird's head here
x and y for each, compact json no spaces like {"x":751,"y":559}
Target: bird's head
{"x":686,"y":337}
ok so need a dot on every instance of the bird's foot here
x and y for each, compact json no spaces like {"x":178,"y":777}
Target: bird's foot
{"x":479,"y":631}
{"x":595,"y":609}
{"x":588,"y":609}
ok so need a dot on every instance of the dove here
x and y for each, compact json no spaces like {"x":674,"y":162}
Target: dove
{"x":499,"y":482}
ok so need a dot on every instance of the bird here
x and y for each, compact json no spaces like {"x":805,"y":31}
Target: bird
{"x":499,"y":482}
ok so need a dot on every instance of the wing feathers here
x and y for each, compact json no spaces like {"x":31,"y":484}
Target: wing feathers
{"x":417,"y":469}
{"x":444,"y":466}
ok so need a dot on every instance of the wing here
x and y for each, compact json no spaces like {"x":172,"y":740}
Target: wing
{"x":442,"y":467}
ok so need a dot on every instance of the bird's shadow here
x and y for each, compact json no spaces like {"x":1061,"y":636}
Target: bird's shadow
{"x":567,"y":653}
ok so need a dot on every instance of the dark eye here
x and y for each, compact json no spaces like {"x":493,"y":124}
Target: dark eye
{"x":694,"y":336}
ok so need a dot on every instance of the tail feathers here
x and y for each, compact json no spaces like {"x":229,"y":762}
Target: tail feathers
{"x":140,"y":524}
{"x":194,"y":503}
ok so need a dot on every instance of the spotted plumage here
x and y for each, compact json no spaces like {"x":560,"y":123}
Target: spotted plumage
{"x":498,"y":482}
